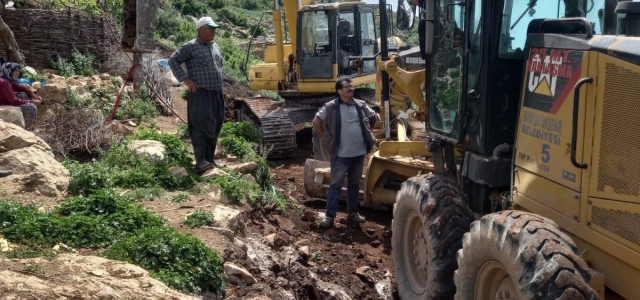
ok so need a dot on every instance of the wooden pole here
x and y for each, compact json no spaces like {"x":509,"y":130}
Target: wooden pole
{"x":137,"y":73}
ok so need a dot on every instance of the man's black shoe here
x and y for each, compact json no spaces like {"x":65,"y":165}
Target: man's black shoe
{"x":5,"y":173}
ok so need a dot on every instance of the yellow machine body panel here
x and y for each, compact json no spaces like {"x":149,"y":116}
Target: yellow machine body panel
{"x":271,"y":56}
{"x":544,"y":130}
{"x":598,"y":205}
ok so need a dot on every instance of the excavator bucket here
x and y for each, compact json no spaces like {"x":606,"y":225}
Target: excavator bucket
{"x":139,"y":16}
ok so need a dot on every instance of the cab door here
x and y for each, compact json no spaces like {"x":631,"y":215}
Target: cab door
{"x":315,"y":49}
{"x":368,"y":36}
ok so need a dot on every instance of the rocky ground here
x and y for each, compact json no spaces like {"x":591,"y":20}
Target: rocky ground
{"x":292,"y":258}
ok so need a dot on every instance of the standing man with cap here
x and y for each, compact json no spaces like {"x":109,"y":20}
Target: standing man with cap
{"x":204,"y":76}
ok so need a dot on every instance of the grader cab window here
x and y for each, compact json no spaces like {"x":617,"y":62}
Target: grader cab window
{"x":446,"y":63}
{"x":518,"y":15}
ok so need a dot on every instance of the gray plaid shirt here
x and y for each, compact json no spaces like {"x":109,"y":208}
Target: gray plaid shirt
{"x":204,"y":64}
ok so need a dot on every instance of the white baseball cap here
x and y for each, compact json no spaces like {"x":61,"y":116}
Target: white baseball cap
{"x":206,"y":21}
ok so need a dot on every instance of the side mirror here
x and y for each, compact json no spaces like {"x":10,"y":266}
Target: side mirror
{"x":406,"y":15}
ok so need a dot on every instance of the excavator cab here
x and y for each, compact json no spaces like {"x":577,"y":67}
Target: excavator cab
{"x":330,"y":34}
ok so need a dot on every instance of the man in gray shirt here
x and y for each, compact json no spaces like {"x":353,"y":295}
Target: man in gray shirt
{"x":204,"y":76}
{"x":344,"y":126}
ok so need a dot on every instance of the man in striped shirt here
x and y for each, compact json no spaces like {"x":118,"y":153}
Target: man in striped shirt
{"x":204,"y":76}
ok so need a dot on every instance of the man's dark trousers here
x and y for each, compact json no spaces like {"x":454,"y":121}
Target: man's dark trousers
{"x":205,"y":113}
{"x":341,"y":167}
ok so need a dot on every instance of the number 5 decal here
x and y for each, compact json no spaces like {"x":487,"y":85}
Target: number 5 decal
{"x":545,"y":153}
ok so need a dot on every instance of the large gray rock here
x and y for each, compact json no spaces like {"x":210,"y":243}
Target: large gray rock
{"x":12,"y":114}
{"x":153,"y":150}
{"x":32,"y":162}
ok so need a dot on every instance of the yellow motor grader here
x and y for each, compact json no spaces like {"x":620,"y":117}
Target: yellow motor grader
{"x":506,"y":162}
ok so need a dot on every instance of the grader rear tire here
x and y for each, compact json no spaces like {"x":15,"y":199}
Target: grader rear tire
{"x":518,"y":255}
{"x":430,"y":217}
{"x":319,"y":152}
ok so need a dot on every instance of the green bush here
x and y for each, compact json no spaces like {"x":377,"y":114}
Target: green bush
{"x":244,"y":130}
{"x":140,"y":107}
{"x":199,"y":218}
{"x":190,"y":7}
{"x":79,"y":64}
{"x":181,"y":261}
{"x":233,"y":16}
{"x":120,"y":167}
{"x":169,"y":22}
{"x":95,"y":221}
{"x":215,"y":4}
{"x":176,"y":149}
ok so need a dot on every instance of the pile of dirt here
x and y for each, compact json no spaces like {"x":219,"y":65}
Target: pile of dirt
{"x":232,"y":89}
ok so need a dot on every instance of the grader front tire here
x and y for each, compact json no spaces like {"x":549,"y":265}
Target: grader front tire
{"x":518,"y":255}
{"x":430,"y":217}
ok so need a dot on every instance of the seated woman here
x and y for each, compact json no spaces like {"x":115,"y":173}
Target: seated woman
{"x":12,"y":93}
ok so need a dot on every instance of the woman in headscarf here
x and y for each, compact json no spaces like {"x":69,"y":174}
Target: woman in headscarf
{"x":12,"y":93}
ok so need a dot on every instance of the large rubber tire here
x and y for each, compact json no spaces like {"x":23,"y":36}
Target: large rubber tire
{"x":319,"y":152}
{"x":518,"y":255}
{"x":430,"y":217}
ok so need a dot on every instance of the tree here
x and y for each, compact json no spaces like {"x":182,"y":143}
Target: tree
{"x":8,"y":40}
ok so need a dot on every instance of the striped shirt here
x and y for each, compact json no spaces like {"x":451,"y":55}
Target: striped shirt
{"x":204,"y":64}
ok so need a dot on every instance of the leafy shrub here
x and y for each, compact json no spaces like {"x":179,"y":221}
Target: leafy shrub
{"x":233,"y":16}
{"x":79,"y":64}
{"x":190,"y":7}
{"x":139,"y":107}
{"x":120,"y":167}
{"x":199,"y":218}
{"x":244,"y":130}
{"x":182,"y":197}
{"x":215,"y":4}
{"x":87,"y":177}
{"x":169,"y":22}
{"x":176,"y":149}
{"x":236,"y":146}
{"x":94,"y":221}
{"x":181,"y":261}
{"x":237,"y":190}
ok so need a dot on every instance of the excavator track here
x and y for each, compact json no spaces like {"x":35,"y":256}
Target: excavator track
{"x":273,"y":121}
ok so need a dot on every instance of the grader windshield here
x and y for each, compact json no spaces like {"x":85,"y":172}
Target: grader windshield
{"x":451,"y":81}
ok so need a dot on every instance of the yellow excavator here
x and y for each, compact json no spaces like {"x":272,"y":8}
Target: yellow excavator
{"x":511,"y":176}
{"x":326,"y":40}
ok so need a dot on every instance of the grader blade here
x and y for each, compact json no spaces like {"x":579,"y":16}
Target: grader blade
{"x":383,"y":173}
